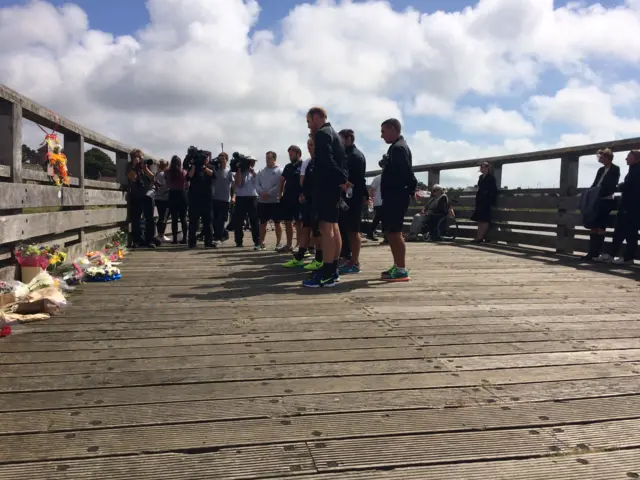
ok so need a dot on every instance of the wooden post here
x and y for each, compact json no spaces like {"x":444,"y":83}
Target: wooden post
{"x":11,"y":138}
{"x":74,"y":150}
{"x":433,"y":178}
{"x":568,"y":188}
{"x":122,"y":159}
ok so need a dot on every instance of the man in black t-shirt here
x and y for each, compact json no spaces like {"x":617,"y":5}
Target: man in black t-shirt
{"x":330,"y":180}
{"x":290,"y":190}
{"x":356,"y":197}
{"x":397,"y":186}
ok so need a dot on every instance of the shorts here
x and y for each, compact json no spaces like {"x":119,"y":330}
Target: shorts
{"x":351,"y":220}
{"x":290,"y":210}
{"x":326,"y":205}
{"x":393,"y":211}
{"x":269,"y":211}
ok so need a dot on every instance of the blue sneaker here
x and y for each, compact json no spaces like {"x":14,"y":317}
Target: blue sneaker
{"x":349,"y":268}
{"x":336,"y":277}
{"x":318,"y":282}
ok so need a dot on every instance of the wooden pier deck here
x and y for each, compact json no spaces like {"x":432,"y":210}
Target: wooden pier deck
{"x":493,"y":363}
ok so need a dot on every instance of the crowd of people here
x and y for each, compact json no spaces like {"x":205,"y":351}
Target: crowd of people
{"x":322,"y":199}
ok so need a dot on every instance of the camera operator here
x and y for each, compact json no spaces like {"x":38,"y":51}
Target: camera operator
{"x":246,"y":200}
{"x":267,"y":183}
{"x":330,"y":178}
{"x":222,"y":186}
{"x":290,"y":190}
{"x":200,"y":178}
{"x":397,"y":185}
{"x":356,"y":197}
{"x":141,"y":195}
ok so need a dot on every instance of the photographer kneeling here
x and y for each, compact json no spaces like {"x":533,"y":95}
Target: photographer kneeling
{"x":200,"y":177}
{"x":246,"y":198}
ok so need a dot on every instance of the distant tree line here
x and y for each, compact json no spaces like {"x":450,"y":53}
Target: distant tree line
{"x":97,"y":164}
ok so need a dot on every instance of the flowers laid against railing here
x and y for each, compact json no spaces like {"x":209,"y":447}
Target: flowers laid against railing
{"x":42,"y":294}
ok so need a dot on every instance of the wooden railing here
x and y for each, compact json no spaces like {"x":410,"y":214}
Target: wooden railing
{"x":79,"y":217}
{"x":545,"y":218}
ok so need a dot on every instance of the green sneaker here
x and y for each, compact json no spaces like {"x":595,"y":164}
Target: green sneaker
{"x":396,"y":276}
{"x":389,"y":271}
{"x":313,"y":266}
{"x":293,"y":263}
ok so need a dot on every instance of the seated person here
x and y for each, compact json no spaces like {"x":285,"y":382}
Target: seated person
{"x":436,"y":209}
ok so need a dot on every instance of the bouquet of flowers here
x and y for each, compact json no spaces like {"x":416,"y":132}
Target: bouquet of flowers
{"x":34,"y":256}
{"x":102,"y":274}
{"x":57,"y":160}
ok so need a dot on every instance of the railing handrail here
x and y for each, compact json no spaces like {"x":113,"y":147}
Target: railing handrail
{"x":43,"y":116}
{"x":550,"y":154}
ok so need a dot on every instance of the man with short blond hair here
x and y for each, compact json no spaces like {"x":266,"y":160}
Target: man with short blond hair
{"x":330,"y":179}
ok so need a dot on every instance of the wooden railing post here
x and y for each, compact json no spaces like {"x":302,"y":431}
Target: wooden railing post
{"x":11,"y":138}
{"x":433,"y":178}
{"x":122,"y":159}
{"x":74,"y":150}
{"x":569,"y":166}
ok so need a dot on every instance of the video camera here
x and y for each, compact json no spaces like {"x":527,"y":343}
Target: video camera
{"x":240,"y":161}
{"x":196,"y":158}
{"x":383,"y":163}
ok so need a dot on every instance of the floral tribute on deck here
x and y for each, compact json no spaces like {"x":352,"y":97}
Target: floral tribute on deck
{"x":45,"y":293}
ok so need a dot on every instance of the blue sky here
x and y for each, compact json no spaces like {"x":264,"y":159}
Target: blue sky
{"x":127,"y":16}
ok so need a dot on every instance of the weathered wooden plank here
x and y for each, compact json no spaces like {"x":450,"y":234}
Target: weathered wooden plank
{"x":188,"y":376}
{"x":233,"y":464}
{"x":527,"y":337}
{"x":104,"y":197}
{"x":88,"y":183}
{"x":249,"y":338}
{"x":566,"y":389}
{"x":18,"y":227}
{"x":205,"y":349}
{"x":283,"y":387}
{"x":594,"y":466}
{"x":540,"y":359}
{"x":425,"y":449}
{"x":246,"y":432}
{"x":41,"y":176}
{"x":208,"y":361}
{"x":212,"y":330}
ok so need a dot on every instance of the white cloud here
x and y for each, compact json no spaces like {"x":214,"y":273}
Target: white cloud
{"x":200,"y":73}
{"x":588,"y":108}
{"x":495,"y":121}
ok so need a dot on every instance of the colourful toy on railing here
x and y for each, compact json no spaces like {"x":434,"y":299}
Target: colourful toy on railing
{"x":57,"y":160}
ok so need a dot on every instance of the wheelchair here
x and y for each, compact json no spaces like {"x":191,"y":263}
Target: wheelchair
{"x":447,"y":228}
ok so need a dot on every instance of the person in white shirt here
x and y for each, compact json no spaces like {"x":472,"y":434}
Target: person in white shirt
{"x":268,"y":182}
{"x":375,"y":198}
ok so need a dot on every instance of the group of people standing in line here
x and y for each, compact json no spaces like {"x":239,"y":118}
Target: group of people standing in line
{"x":322,"y":198}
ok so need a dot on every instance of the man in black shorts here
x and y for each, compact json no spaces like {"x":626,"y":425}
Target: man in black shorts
{"x":397,"y":185}
{"x":355,"y":198}
{"x":330,"y":180}
{"x":290,"y":191}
